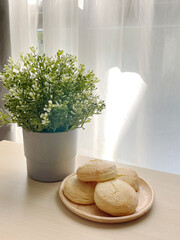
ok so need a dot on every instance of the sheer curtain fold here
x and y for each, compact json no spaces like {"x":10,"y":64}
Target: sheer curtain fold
{"x":134,"y":48}
{"x":60,"y":26}
{"x":23,"y":17}
{"x":23,"y":25}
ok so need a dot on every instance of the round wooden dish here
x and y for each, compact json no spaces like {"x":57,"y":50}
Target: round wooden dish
{"x":92,"y":213}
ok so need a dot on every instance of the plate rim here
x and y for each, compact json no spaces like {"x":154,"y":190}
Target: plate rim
{"x":104,"y":219}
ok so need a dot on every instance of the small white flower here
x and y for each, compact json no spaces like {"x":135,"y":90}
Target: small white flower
{"x":2,"y":77}
{"x":43,"y":122}
{"x":31,"y":94}
{"x":48,"y":110}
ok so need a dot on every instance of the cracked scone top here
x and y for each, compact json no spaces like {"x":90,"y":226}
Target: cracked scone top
{"x":116,"y":197}
{"x":78,"y":191}
{"x":97,"y":170}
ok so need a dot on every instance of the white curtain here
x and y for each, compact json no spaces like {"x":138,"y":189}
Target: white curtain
{"x":23,"y":32}
{"x":23,"y":25}
{"x":133,"y":46}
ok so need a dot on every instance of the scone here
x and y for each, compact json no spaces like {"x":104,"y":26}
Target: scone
{"x":79,"y":192}
{"x":97,"y":170}
{"x":130,"y":176}
{"x":116,"y":197}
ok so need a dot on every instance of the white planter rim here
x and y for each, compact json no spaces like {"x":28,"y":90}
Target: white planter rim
{"x":49,"y":133}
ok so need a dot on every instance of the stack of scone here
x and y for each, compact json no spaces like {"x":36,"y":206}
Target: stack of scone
{"x":112,"y":189}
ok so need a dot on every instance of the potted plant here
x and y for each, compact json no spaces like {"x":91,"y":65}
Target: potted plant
{"x":49,"y":97}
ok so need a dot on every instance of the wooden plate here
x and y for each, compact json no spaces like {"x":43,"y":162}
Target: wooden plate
{"x":92,"y":213}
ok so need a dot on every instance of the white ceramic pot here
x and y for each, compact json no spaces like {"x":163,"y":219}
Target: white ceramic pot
{"x":50,"y":156}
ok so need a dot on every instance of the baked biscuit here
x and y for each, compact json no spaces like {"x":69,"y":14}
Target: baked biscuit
{"x":130,"y":176}
{"x":78,"y":191}
{"x":97,"y":170}
{"x":116,"y":197}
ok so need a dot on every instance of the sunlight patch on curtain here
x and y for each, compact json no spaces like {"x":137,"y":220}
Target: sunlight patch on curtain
{"x":125,"y":91}
{"x":81,"y":4}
